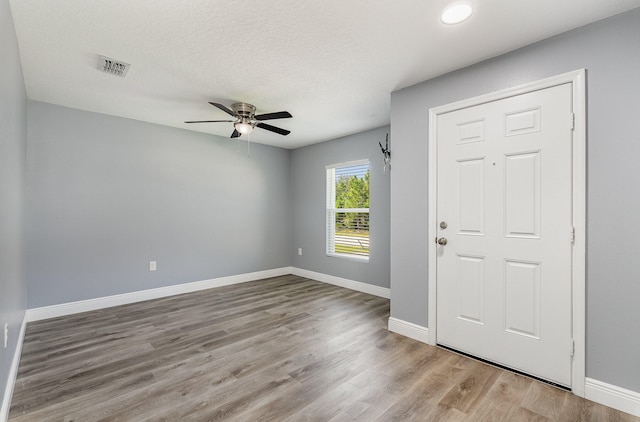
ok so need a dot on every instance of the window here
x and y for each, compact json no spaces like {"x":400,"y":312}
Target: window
{"x":348,"y":210}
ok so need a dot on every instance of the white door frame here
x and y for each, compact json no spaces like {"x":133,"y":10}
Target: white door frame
{"x":579,"y":186}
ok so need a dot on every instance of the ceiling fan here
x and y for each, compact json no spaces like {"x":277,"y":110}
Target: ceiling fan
{"x":246,"y":119}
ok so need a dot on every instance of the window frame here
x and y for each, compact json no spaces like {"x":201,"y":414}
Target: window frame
{"x":331,"y":210}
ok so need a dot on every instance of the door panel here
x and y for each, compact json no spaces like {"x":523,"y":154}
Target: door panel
{"x":504,"y":190}
{"x":471,"y":288}
{"x":522,"y":195}
{"x":522,"y":298}
{"x":471,"y":196}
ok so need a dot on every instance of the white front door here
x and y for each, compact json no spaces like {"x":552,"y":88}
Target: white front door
{"x":504,"y":206}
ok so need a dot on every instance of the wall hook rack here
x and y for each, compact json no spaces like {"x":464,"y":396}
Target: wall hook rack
{"x":386,"y":153}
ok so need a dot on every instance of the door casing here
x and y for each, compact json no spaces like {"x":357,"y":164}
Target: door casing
{"x":579,"y":149}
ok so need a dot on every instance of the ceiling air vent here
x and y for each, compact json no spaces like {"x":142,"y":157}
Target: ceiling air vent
{"x":113,"y":67}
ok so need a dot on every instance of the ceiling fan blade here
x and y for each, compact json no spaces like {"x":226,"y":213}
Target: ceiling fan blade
{"x":276,"y":115}
{"x":273,"y":129}
{"x":209,"y":121}
{"x":235,"y":134}
{"x":223,"y":108}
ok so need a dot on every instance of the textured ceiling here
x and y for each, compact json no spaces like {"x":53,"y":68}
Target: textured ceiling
{"x":331,"y":63}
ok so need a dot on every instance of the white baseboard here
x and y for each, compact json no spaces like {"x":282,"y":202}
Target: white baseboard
{"x":53,"y":311}
{"x":45,"y":312}
{"x":13,"y":373}
{"x":613,"y":396}
{"x":409,"y":329}
{"x":344,"y":282}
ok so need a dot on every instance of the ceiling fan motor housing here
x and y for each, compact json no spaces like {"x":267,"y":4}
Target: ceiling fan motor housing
{"x":244,"y":110}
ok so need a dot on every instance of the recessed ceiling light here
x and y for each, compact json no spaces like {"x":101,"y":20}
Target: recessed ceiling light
{"x":456,"y":12}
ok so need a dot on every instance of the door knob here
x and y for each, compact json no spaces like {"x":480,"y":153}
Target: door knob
{"x":442,"y":241}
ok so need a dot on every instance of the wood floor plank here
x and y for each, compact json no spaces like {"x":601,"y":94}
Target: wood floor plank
{"x":475,"y":385}
{"x":520,"y":414}
{"x":506,"y":393}
{"x":576,"y":409}
{"x":404,"y":394}
{"x":545,"y":400}
{"x":281,"y":349}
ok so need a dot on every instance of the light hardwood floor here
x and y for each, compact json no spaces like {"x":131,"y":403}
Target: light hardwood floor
{"x":281,"y":349}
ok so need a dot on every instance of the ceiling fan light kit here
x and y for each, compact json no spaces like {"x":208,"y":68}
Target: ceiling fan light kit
{"x":247,"y":119}
{"x":243,"y":127}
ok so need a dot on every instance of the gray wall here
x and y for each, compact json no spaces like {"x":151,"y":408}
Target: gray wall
{"x":610,"y":51}
{"x":13,"y":140}
{"x":308,"y":181}
{"x":106,"y":195}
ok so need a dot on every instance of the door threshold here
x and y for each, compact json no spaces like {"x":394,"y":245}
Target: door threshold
{"x":506,"y":368}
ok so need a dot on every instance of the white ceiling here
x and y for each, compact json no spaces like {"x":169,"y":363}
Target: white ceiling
{"x":330,"y":63}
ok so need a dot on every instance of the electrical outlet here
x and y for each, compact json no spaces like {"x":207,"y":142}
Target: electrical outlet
{"x":299,"y":251}
{"x":152,"y":265}
{"x":6,"y":334}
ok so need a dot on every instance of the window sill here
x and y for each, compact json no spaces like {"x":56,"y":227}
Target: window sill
{"x":356,"y":258}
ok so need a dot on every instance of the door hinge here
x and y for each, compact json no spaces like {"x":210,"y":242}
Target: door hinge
{"x":573,"y":235}
{"x":572,"y":121}
{"x":572,"y":347}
